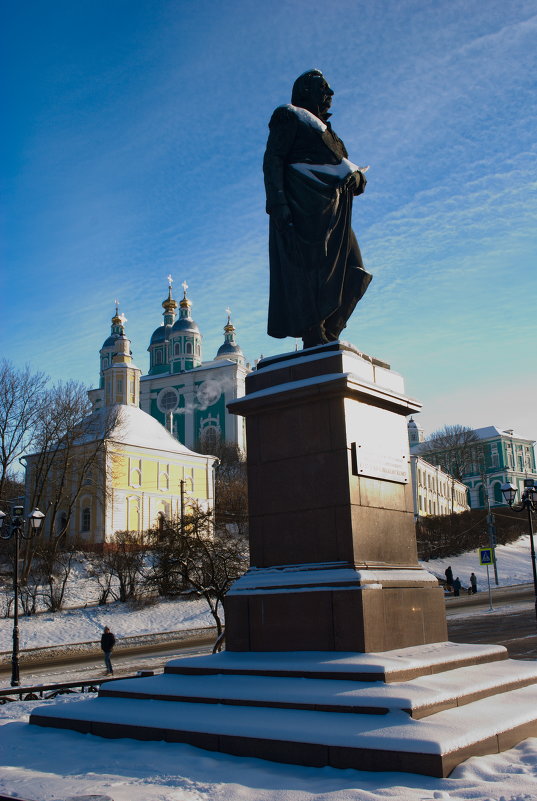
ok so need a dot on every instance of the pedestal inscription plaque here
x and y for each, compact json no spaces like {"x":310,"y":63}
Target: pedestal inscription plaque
{"x":332,"y":539}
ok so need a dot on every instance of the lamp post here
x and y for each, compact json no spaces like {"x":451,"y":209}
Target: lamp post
{"x":527,"y":501}
{"x":17,"y":530}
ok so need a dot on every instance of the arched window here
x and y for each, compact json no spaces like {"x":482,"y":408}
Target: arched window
{"x":177,"y":349}
{"x":498,"y":497}
{"x":158,"y":357}
{"x":188,"y":347}
{"x":86,"y":519}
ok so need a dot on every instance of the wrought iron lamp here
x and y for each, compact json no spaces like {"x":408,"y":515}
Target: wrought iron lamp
{"x":528,"y":501}
{"x":18,"y":530}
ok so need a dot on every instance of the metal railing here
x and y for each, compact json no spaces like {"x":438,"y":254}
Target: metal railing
{"x":45,"y":691}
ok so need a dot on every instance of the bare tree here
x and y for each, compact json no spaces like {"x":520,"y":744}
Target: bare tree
{"x":231,"y":483}
{"x":121,"y":569}
{"x":456,"y":448}
{"x":199,"y":557}
{"x":21,"y":402}
{"x":70,"y":457}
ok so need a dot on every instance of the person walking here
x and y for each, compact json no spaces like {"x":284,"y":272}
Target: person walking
{"x":473,"y":583}
{"x":107,"y":643}
{"x":457,"y":586}
{"x":449,"y":578}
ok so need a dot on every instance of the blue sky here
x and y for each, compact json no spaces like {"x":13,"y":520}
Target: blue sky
{"x":132,"y":143}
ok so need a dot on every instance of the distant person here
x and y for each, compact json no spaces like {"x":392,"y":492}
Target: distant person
{"x":449,"y":577}
{"x":107,"y":643}
{"x":457,"y":586}
{"x":473,"y":583}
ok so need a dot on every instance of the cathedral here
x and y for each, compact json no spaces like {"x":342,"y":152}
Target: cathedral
{"x":186,"y":394}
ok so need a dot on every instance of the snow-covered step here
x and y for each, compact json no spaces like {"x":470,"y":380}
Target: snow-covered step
{"x":394,"y":741}
{"x":419,"y":697}
{"x":397,"y":665}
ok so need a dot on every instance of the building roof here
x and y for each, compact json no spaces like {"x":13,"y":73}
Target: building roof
{"x":488,"y":432}
{"x":133,"y":427}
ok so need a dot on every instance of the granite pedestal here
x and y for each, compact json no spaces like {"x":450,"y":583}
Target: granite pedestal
{"x":332,"y":535}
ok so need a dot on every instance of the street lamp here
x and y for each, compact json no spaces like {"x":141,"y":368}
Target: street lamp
{"x":528,"y":501}
{"x":17,"y":530}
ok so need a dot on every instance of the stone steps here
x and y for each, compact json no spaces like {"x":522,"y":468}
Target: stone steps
{"x":419,"y":697}
{"x":481,"y":704}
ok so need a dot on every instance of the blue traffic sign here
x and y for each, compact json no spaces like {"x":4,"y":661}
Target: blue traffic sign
{"x":486,"y":556}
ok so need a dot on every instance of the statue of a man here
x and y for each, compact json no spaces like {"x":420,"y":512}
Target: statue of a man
{"x":316,"y":270}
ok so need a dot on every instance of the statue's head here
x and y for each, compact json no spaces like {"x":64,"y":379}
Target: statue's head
{"x":311,"y":91}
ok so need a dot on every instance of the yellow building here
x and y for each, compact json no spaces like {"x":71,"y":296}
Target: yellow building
{"x":125,"y":469}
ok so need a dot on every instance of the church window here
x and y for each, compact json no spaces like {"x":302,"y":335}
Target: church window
{"x":133,"y":514}
{"x":135,"y":473}
{"x":158,"y":357}
{"x":168,"y":400}
{"x":163,"y":477}
{"x":177,"y":349}
{"x":198,"y":349}
{"x":498,"y":497}
{"x":86,"y":519}
{"x":188,"y":348}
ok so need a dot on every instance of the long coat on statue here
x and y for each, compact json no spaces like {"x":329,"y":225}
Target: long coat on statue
{"x":316,"y":269}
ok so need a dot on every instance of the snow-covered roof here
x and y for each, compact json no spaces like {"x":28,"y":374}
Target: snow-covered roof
{"x":134,"y":427}
{"x":491,"y":431}
{"x":487,"y":432}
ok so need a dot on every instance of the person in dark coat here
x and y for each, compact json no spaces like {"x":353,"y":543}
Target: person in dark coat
{"x":107,"y":643}
{"x":449,"y":577}
{"x":473,"y":583}
{"x":316,"y":271}
{"x":457,"y":586}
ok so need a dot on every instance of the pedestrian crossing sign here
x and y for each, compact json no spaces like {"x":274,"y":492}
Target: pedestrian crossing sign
{"x":486,"y":556}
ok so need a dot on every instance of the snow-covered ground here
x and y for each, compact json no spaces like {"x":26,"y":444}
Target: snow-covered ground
{"x":86,"y":625}
{"x":513,"y":562}
{"x":45,"y":764}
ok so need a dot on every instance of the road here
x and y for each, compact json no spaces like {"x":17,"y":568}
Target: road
{"x":93,"y":668}
{"x":512,"y":623}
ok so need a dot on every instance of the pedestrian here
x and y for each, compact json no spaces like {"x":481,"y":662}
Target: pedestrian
{"x":473,"y":583}
{"x":107,"y":643}
{"x":449,"y":578}
{"x":457,"y":586}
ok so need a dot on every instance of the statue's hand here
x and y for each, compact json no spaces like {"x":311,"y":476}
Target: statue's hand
{"x":360,"y":182}
{"x":282,"y":217}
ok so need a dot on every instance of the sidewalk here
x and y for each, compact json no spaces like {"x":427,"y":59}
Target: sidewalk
{"x":74,"y":652}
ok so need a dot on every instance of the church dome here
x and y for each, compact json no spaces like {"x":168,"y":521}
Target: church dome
{"x":227,"y":349}
{"x":184,"y":324}
{"x":230,"y":349}
{"x":110,"y":341}
{"x":160,"y":334}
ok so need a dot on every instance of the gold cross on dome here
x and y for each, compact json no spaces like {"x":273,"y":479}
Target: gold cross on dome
{"x":185,"y":287}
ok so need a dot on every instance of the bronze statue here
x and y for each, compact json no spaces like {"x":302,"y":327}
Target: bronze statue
{"x":316,"y":270}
